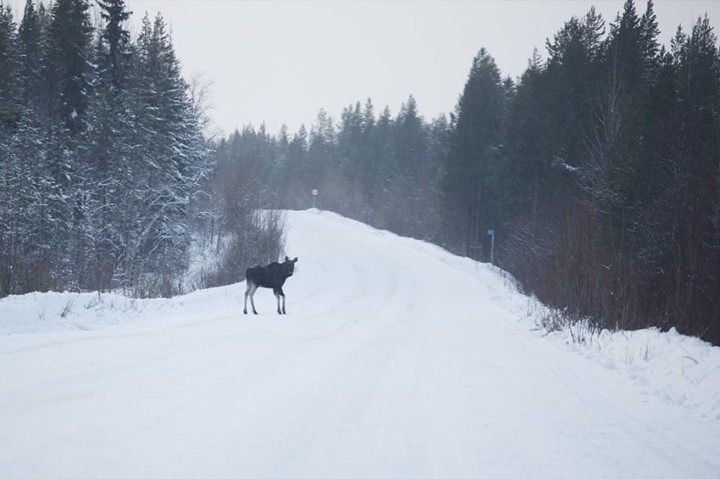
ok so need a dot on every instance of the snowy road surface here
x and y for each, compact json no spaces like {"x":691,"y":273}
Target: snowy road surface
{"x":396,"y":359}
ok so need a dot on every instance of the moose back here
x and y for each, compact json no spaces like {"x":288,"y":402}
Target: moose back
{"x":270,"y":276}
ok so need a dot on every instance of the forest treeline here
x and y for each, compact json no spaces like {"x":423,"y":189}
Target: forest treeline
{"x":598,"y":169}
{"x":104,"y":171}
{"x":99,"y":148}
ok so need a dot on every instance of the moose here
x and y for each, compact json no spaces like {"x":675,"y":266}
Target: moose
{"x":270,"y":276}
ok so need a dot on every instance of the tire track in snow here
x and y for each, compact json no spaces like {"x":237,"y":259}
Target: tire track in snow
{"x":349,"y":287}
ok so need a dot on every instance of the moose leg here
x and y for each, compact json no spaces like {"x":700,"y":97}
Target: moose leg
{"x":250,"y":291}
{"x":279,"y":294}
{"x":246,"y":295}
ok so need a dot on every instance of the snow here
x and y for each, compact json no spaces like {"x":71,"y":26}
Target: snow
{"x":396,"y":359}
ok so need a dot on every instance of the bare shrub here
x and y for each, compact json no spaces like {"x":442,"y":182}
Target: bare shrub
{"x":553,"y":320}
{"x":259,"y":239}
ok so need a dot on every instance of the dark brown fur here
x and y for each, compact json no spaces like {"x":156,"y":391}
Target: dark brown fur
{"x":270,"y":276}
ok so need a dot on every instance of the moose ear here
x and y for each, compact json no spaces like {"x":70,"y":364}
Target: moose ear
{"x":287,"y":259}
{"x":295,"y":260}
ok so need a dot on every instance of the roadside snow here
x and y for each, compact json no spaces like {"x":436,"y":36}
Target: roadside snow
{"x":397,"y":359}
{"x":45,"y":312}
{"x":48,"y":312}
{"x":676,"y":369}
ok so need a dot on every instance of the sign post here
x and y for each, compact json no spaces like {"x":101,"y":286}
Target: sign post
{"x":314,"y":193}
{"x":491,"y":234}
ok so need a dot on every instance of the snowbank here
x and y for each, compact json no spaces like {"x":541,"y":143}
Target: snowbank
{"x":680,"y":370}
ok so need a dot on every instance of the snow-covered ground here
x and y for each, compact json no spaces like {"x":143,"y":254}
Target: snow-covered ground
{"x":396,"y":359}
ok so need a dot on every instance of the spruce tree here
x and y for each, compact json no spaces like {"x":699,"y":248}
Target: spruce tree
{"x":111,"y":142}
{"x":472,"y":157}
{"x":67,"y":68}
{"x":413,"y":180}
{"x":9,"y":73}
{"x":31,"y":35}
{"x":168,"y":169}
{"x":695,"y":191}
{"x":117,"y":38}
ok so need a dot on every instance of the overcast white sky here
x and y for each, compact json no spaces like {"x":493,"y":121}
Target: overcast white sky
{"x":281,"y":61}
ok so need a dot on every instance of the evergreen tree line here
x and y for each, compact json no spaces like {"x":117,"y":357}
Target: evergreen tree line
{"x":598,"y":170}
{"x":101,"y":156}
{"x":601,"y":172}
{"x":378,"y":168}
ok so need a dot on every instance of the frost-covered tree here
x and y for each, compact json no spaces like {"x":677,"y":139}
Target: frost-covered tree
{"x":115,"y":59}
{"x":9,"y":71}
{"x":110,"y":143}
{"x":166,"y":171}
{"x":31,"y":39}
{"x":68,"y":71}
{"x":101,"y":152}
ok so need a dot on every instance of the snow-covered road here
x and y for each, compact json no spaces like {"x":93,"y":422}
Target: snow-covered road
{"x":396,"y":359}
